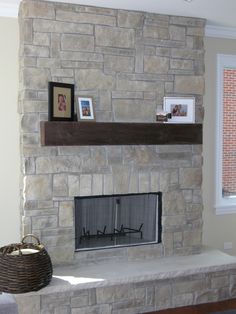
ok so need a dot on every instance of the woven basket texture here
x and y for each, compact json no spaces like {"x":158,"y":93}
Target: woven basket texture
{"x":22,"y":273}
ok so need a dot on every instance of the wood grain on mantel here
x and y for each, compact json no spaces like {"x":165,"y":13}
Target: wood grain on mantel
{"x":101,"y":133}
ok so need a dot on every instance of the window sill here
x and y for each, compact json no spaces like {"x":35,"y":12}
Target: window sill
{"x":225,"y":209}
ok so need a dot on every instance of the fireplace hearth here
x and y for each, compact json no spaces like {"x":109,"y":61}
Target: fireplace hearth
{"x":117,"y":220}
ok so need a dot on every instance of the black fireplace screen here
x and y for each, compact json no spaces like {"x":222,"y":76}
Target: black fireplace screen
{"x":117,"y":220}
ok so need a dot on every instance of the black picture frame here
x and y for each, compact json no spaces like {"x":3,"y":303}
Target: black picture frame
{"x":60,"y":101}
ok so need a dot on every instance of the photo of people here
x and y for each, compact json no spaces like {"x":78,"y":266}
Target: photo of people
{"x":178,"y":110}
{"x":85,"y":109}
{"x":182,"y":109}
{"x":61,"y":102}
{"x":85,"y":105}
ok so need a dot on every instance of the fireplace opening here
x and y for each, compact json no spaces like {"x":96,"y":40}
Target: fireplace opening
{"x":117,"y":220}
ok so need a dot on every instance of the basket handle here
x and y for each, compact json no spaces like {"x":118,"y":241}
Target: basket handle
{"x":32,"y":236}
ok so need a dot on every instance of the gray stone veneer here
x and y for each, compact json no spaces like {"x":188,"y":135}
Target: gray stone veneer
{"x":127,"y":61}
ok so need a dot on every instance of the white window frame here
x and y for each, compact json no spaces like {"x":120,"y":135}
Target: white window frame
{"x":223,"y":205}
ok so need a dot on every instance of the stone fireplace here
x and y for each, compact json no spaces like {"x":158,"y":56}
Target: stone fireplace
{"x":127,"y":61}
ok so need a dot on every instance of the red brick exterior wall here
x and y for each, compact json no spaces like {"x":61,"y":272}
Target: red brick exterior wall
{"x":229,"y":132}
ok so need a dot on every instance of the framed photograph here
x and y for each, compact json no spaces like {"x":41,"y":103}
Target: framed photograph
{"x":85,"y":109}
{"x":61,"y":102}
{"x":182,"y":109}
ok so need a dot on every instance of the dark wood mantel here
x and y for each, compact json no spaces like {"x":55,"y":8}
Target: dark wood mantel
{"x":91,"y":133}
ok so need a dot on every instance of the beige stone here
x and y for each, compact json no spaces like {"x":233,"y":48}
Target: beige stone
{"x":66,"y":216}
{"x":130,"y":19}
{"x":77,"y":42}
{"x":87,"y":18}
{"x":156,"y":64}
{"x":190,"y":177}
{"x":114,"y":37}
{"x":93,"y":79}
{"x":38,"y":187}
{"x":189,"y":84}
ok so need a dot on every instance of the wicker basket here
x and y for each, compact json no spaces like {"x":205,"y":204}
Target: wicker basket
{"x":24,"y":267}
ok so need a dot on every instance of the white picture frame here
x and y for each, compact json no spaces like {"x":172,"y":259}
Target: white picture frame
{"x":85,"y":109}
{"x":182,"y":109}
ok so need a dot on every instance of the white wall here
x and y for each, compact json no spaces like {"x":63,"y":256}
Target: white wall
{"x":217,"y":229}
{"x":9,"y":133}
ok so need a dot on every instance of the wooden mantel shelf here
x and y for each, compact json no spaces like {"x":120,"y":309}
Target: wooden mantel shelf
{"x":101,"y":133}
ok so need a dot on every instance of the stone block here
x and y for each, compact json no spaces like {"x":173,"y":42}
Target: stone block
{"x":85,"y":184}
{"x":28,"y":304}
{"x":114,"y":155}
{"x":38,"y":187}
{"x":114,"y":37}
{"x":52,"y":300}
{"x":34,"y":78}
{"x":118,"y":63}
{"x":57,"y":164}
{"x":114,"y":293}
{"x":77,"y":42}
{"x":30,"y":123}
{"x":121,"y":176}
{"x":193,"y":285}
{"x":186,"y":53}
{"x":139,"y":85}
{"x":62,"y":254}
{"x":95,"y":309}
{"x":155,"y":32}
{"x":97,"y":184}
{"x":130,"y":19}
{"x":183,"y":300}
{"x":90,"y":79}
{"x":196,"y":31}
{"x":62,"y":73}
{"x":47,"y":26}
{"x":190,"y":178}
{"x":37,"y":9}
{"x":189,"y":84}
{"x":115,"y":51}
{"x":174,"y":203}
{"x":44,"y":222}
{"x":30,"y":106}
{"x":220,"y":282}
{"x":181,"y":64}
{"x":60,"y":185}
{"x":187,"y":21}
{"x":66,"y":216}
{"x":26,"y":31}
{"x":80,"y":300}
{"x":104,"y":100}
{"x":155,"y":182}
{"x":124,"y":94}
{"x":28,"y":166}
{"x":156,"y":64}
{"x":87,"y":18}
{"x":145,"y":252}
{"x":192,"y":238}
{"x":134,"y":110}
{"x":144,"y":182}
{"x":108,"y":184}
{"x":62,"y":310}
{"x":163,"y":295}
{"x":134,"y":183}
{"x":177,"y":33}
{"x":41,"y":39}
{"x":35,"y":51}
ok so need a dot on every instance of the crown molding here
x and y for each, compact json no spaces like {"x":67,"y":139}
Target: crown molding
{"x":220,"y":32}
{"x":9,"y":9}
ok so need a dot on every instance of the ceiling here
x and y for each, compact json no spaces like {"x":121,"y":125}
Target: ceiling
{"x":220,"y":13}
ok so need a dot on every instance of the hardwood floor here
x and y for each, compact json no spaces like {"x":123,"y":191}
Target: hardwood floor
{"x":205,"y":308}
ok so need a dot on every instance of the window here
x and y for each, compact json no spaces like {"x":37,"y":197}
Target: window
{"x":226,"y":135}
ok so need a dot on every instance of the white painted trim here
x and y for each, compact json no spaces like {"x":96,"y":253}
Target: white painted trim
{"x":9,"y":9}
{"x":220,"y":32}
{"x":223,"y":205}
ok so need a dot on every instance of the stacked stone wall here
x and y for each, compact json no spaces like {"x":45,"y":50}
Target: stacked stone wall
{"x":127,"y":61}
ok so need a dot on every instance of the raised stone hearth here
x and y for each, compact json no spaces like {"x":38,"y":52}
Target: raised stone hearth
{"x":135,"y":287}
